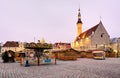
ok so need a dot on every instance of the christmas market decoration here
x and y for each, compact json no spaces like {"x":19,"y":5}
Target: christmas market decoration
{"x":35,"y":53}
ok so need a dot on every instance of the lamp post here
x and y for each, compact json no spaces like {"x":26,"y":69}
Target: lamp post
{"x":118,"y":47}
{"x":27,"y":63}
{"x":0,"y":47}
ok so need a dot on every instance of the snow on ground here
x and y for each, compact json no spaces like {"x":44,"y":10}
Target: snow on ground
{"x":82,"y":68}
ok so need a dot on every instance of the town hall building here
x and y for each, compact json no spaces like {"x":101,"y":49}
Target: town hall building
{"x":92,"y":39}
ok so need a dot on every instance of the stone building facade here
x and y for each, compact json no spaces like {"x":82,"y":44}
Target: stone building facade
{"x":94,"y":38}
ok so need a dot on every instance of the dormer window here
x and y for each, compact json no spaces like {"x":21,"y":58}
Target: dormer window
{"x":102,"y":35}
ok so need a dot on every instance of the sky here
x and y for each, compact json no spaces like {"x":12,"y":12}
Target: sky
{"x":55,"y":20}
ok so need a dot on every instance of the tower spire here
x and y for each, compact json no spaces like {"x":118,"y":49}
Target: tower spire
{"x":79,"y":17}
{"x":79,"y":23}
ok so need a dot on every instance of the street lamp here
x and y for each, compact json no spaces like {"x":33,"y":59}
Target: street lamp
{"x":118,"y":47}
{"x":27,"y":63}
{"x":0,"y":47}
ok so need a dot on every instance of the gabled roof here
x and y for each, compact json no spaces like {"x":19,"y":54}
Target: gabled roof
{"x":88,"y":32}
{"x":11,"y":44}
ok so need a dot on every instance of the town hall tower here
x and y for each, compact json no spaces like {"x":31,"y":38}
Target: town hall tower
{"x":79,"y":24}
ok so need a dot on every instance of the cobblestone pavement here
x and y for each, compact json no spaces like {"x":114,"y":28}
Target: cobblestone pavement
{"x":82,"y":68}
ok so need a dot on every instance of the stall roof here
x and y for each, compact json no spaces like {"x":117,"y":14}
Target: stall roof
{"x":63,"y":50}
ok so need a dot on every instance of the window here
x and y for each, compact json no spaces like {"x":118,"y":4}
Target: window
{"x":102,"y":35}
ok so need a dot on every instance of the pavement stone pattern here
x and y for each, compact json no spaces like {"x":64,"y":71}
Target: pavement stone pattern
{"x":82,"y":68}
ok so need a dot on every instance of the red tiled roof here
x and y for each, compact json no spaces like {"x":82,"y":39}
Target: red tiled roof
{"x":11,"y":44}
{"x":87,"y":33}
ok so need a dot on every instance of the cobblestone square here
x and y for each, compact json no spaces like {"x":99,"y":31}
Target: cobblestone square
{"x":82,"y":68}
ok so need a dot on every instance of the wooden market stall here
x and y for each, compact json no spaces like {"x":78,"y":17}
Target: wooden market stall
{"x":66,"y":54}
